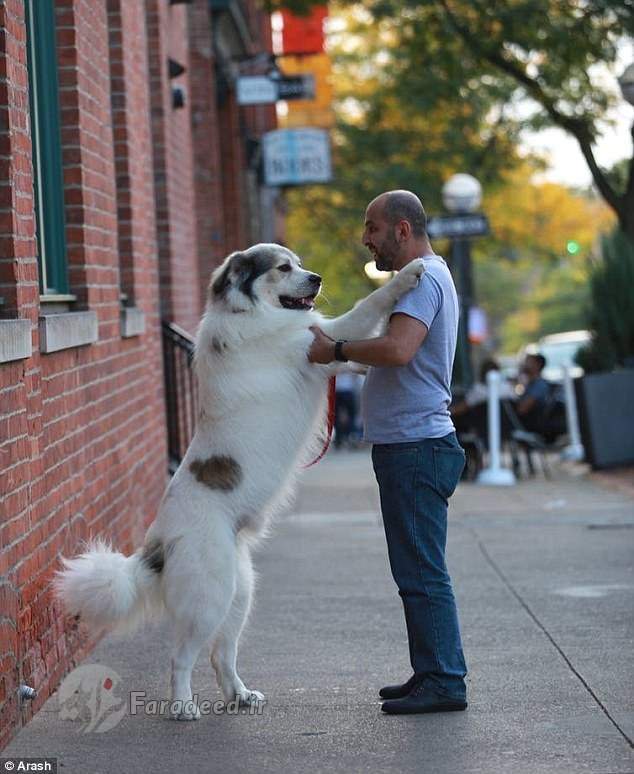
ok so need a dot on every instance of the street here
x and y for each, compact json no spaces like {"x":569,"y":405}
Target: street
{"x":543,"y":576}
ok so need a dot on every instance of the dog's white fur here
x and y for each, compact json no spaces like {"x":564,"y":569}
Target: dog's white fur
{"x":262,"y":412}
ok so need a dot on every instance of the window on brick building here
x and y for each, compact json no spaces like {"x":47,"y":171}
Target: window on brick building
{"x":47,"y":149}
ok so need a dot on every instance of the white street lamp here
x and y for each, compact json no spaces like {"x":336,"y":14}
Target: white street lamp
{"x":626,"y":82}
{"x":462,"y":193}
{"x":377,"y":276}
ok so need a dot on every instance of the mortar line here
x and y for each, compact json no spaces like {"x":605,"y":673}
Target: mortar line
{"x":552,"y":640}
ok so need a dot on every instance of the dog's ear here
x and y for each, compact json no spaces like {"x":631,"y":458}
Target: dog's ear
{"x":243,"y":268}
{"x":221,"y":284}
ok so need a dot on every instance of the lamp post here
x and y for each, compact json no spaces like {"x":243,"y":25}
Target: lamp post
{"x":462,"y":195}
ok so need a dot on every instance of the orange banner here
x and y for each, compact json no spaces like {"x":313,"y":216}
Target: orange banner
{"x":313,"y":112}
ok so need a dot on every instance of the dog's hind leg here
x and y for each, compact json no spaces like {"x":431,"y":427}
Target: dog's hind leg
{"x":224,"y":653}
{"x":198,"y":602}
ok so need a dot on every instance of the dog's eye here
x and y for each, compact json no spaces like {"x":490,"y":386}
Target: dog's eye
{"x":285,"y":267}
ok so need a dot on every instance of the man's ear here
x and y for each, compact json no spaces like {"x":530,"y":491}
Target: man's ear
{"x":403,"y":230}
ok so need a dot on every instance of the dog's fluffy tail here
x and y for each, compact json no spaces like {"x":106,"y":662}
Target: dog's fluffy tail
{"x":110,"y":590}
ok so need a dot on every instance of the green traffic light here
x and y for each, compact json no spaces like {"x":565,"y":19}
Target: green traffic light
{"x":572,"y":247}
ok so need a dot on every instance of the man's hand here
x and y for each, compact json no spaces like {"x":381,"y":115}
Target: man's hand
{"x":322,"y":350}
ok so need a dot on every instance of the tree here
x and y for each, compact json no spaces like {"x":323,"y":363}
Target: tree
{"x":463,"y":52}
{"x":526,"y":277}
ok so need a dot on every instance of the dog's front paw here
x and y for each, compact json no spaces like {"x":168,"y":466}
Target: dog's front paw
{"x":184,"y":711}
{"x":406,"y":279}
{"x":248,"y":698}
{"x":412,"y":273}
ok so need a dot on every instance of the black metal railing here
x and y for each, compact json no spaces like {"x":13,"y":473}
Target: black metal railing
{"x":181,"y":396}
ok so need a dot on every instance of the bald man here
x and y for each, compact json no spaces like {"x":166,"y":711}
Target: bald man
{"x":416,"y":457}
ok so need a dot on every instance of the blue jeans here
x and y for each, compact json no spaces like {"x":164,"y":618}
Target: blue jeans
{"x":415,"y":482}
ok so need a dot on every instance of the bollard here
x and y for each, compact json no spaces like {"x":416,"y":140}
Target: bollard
{"x":574,"y":451}
{"x":495,"y":474}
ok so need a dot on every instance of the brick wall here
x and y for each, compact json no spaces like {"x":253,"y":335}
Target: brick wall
{"x":153,"y":198}
{"x":173,"y":167}
{"x":210,"y":216}
{"x":226,"y":215}
{"x":82,"y":431}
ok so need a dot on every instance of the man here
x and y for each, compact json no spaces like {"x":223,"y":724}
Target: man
{"x":416,"y":457}
{"x":536,"y":390}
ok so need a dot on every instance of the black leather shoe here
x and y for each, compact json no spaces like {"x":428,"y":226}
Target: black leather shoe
{"x":399,"y":691}
{"x":423,"y":700}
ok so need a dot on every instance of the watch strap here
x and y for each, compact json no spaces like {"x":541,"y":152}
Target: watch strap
{"x":338,"y":353}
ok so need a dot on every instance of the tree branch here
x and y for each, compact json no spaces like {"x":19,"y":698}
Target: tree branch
{"x":575,"y":126}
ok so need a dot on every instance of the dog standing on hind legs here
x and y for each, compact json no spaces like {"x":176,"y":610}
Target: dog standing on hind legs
{"x":262,"y":413}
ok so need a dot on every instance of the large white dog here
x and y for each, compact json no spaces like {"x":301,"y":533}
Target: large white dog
{"x":262,"y":413}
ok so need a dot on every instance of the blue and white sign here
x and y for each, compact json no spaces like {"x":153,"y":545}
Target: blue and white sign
{"x":256,"y":90}
{"x":296,"y":156}
{"x":458,"y":226}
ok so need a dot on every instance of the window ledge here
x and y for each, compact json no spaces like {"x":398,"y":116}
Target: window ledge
{"x":67,"y":329}
{"x":15,"y":340}
{"x":56,"y":302}
{"x":132,"y":322}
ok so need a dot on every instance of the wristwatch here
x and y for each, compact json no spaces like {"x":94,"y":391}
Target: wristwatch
{"x":338,"y":353}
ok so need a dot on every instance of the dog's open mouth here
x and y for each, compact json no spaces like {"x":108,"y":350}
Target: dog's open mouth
{"x":305,"y":302}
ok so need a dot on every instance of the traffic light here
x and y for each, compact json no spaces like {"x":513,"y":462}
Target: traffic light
{"x":572,"y":247}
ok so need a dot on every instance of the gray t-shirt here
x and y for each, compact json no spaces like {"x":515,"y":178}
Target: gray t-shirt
{"x":410,"y":402}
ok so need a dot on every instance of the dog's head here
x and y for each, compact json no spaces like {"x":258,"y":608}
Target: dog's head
{"x":264,"y":273}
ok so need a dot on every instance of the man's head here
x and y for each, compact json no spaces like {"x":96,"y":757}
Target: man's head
{"x":395,"y":229}
{"x":533,"y":365}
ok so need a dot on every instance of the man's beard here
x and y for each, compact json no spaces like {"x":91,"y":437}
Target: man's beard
{"x":386,"y":253}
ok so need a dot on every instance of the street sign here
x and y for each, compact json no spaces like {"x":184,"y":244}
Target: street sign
{"x":457,"y":226}
{"x":296,"y":87}
{"x":256,"y":90}
{"x":263,"y":90}
{"x":296,"y":156}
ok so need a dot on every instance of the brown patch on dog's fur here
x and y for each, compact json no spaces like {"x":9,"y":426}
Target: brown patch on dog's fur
{"x":217,"y":345}
{"x":217,"y":472}
{"x":153,"y":556}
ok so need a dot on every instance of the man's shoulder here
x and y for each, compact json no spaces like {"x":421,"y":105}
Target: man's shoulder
{"x":538,"y":388}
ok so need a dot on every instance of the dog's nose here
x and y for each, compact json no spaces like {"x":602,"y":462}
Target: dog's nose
{"x":315,"y":279}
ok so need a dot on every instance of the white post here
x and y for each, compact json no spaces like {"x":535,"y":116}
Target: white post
{"x":495,"y":474}
{"x":574,"y":451}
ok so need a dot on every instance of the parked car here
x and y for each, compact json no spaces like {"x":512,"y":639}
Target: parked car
{"x":559,"y":349}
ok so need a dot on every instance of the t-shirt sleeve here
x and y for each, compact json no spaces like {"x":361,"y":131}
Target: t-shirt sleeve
{"x":538,"y":390}
{"x":422,"y":302}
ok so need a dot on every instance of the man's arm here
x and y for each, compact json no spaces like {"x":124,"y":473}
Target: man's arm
{"x":396,"y":347}
{"x":525,"y":404}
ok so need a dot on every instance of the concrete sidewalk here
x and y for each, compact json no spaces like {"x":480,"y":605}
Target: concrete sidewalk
{"x":544,"y":578}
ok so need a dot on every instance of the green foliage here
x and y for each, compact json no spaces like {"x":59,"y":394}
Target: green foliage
{"x":478,"y":65}
{"x":611,"y":311}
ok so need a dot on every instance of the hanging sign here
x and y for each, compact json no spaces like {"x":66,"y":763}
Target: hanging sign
{"x":296,"y":156}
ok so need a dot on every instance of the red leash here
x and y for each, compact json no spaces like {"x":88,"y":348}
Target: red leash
{"x":331,"y":419}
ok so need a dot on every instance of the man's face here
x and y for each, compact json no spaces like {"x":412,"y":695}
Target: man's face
{"x":530,"y":367}
{"x":380,"y":238}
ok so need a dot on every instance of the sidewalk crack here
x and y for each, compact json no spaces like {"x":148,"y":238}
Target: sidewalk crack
{"x":497,"y":570}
